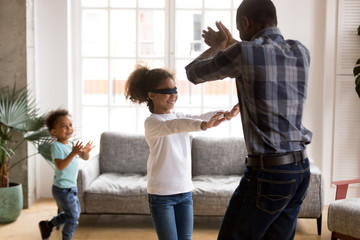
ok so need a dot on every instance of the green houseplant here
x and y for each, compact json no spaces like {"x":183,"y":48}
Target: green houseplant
{"x":19,"y":123}
{"x":357,"y":72}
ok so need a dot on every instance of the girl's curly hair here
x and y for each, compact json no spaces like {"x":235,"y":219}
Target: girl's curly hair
{"x":141,"y":81}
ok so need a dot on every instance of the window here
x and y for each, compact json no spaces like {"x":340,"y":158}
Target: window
{"x":346,"y":152}
{"x":112,"y":36}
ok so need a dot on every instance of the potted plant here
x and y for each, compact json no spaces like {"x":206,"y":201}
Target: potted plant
{"x":18,"y":116}
{"x":357,"y":72}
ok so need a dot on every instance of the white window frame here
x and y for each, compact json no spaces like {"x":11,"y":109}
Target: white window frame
{"x":169,"y":60}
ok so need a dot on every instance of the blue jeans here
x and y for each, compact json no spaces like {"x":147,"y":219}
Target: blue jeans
{"x":172,"y":215}
{"x":67,"y":200}
{"x":266,"y":203}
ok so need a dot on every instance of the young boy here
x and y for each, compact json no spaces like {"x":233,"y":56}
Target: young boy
{"x":64,"y":153}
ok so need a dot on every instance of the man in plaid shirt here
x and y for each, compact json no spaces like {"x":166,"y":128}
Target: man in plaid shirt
{"x":271,"y":78}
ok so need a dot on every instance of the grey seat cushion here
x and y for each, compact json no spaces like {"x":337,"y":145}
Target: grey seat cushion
{"x":214,"y":186}
{"x":211,"y":194}
{"x":116,"y":183}
{"x":117,"y":193}
{"x":344,"y":217}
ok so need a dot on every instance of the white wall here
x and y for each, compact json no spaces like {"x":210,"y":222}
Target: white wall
{"x":298,"y":19}
{"x":328,"y":101}
{"x":303,"y":20}
{"x":51,"y":71}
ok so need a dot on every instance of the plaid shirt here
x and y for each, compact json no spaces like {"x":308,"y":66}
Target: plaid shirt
{"x":271,"y":78}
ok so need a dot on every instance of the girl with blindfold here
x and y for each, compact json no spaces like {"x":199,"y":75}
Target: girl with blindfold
{"x":169,"y":164}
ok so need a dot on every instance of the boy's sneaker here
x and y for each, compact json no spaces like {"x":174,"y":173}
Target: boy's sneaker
{"x":45,"y":229}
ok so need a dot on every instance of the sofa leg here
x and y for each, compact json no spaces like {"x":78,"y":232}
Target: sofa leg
{"x":318,"y":221}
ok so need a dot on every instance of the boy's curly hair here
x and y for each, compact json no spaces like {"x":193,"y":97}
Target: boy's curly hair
{"x":53,"y":116}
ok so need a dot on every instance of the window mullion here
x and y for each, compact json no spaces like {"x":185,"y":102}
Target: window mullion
{"x":137,"y":107}
{"x":170,"y":37}
{"x":77,"y":61}
{"x":109,"y":66}
{"x":202,"y":104}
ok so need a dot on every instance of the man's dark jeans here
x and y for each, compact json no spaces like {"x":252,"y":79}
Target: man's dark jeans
{"x":266,"y":203}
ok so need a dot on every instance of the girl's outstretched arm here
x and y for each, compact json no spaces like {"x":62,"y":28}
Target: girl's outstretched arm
{"x":213,"y":122}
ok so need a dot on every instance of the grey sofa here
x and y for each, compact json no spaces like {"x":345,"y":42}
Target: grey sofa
{"x":114,"y":181}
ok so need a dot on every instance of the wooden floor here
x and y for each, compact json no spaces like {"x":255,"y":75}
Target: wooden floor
{"x":103,"y":227}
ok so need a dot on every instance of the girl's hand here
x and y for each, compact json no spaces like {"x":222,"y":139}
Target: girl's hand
{"x":233,"y":113}
{"x":88,"y":147}
{"x":214,"y":121}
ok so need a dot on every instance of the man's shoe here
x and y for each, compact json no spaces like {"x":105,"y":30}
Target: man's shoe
{"x":45,"y":229}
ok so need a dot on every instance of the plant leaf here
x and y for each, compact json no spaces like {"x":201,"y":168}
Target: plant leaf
{"x":357,"y":85}
{"x":34,"y":124}
{"x":36,"y":136}
{"x":45,"y":150}
{"x":18,"y":112}
{"x":356,"y":70}
{"x":18,"y":109}
{"x":8,"y":152}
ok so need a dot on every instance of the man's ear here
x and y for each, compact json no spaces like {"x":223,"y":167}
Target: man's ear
{"x":245,"y":22}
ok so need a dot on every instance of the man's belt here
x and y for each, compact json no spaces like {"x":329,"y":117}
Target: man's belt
{"x":275,"y":160}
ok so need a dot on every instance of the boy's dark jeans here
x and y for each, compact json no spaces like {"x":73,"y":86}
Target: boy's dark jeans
{"x":67,"y":200}
{"x":266,"y":203}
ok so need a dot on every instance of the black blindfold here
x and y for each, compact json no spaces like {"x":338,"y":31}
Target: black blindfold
{"x":165,"y":90}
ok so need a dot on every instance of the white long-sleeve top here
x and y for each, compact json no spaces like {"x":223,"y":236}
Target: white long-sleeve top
{"x":169,"y":162}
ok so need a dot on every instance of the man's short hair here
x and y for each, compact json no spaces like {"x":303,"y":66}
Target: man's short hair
{"x":262,"y":12}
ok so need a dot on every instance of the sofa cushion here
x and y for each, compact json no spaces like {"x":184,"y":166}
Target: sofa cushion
{"x":123,"y":153}
{"x":117,"y":193}
{"x":218,"y":156}
{"x":214,"y":186}
{"x":344,"y":217}
{"x":115,"y":183}
{"x":211,"y":194}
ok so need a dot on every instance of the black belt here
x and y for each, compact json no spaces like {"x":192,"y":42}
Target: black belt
{"x":266,"y":160}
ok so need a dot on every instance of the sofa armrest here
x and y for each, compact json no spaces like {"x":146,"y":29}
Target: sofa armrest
{"x":313,"y":204}
{"x":88,"y":172}
{"x":342,"y":187}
